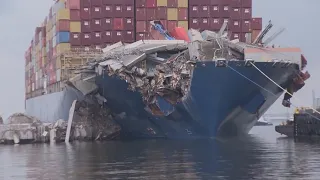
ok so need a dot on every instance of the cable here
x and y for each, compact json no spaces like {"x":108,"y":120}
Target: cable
{"x":264,"y":88}
{"x":279,"y":85}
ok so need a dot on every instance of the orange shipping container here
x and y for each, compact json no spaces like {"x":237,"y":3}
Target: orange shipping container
{"x":254,"y":34}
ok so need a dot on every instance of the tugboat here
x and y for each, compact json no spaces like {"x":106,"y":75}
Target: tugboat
{"x":287,"y":127}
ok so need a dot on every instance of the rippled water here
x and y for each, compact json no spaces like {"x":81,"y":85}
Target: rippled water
{"x":262,"y":155}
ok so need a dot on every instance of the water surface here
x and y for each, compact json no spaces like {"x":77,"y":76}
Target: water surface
{"x":261,"y":155}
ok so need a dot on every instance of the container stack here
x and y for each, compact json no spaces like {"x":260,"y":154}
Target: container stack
{"x":171,"y":13}
{"x":211,"y":14}
{"x":82,"y":25}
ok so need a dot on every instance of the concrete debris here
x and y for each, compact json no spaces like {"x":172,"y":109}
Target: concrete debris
{"x":20,"y":118}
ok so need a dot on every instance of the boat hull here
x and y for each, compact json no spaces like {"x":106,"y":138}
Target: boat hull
{"x":221,"y":102}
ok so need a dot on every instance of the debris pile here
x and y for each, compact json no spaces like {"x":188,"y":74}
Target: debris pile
{"x":93,"y":122}
{"x":20,"y":118}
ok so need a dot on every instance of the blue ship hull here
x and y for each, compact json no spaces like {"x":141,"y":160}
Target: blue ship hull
{"x":221,"y":102}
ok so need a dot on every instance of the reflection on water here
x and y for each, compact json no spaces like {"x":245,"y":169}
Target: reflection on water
{"x":261,"y":155}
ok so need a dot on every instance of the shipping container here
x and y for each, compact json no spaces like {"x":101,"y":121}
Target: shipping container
{"x":128,"y":11}
{"x":73,"y":4}
{"x":96,"y":12}
{"x":141,"y":26}
{"x":247,"y":3}
{"x":151,"y":3}
{"x":162,"y":3}
{"x":204,"y":23}
{"x":75,"y":26}
{"x":128,"y":36}
{"x":63,"y":25}
{"x":118,"y":24}
{"x":182,"y":14}
{"x":85,"y":3}
{"x":75,"y":15}
{"x":85,"y":13}
{"x":161,"y":13}
{"x":86,"y":39}
{"x":96,"y":2}
{"x":117,"y":36}
{"x":172,"y":14}
{"x":194,"y":23}
{"x":62,"y":37}
{"x":107,"y":24}
{"x":171,"y":25}
{"x":75,"y":39}
{"x":215,"y":11}
{"x":85,"y":26}
{"x":246,"y":26}
{"x":128,"y":24}
{"x":194,"y":11}
{"x":107,"y":37}
{"x":142,"y":36}
{"x":140,"y":3}
{"x":256,"y":24}
{"x":254,"y":34}
{"x":96,"y":25}
{"x":236,"y":13}
{"x":96,"y":38}
{"x":107,"y":11}
{"x":141,"y":14}
{"x":225,"y":11}
{"x":63,"y":14}
{"x":183,"y":24}
{"x":151,"y":13}
{"x":246,"y":13}
{"x":63,"y":47}
{"x":235,"y":25}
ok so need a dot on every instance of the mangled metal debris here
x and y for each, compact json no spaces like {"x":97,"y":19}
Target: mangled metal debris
{"x":161,"y":70}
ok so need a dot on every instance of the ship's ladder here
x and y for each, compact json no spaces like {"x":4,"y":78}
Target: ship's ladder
{"x":273,"y":83}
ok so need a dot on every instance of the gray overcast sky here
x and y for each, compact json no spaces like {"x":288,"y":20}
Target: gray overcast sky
{"x":20,"y":17}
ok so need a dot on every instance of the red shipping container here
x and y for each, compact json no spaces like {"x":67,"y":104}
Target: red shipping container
{"x":96,"y":37}
{"x":63,"y":25}
{"x":215,"y":11}
{"x":194,"y":23}
{"x":235,"y":13}
{"x":118,"y":24}
{"x":172,"y":3}
{"x":204,"y":11}
{"x":75,"y":39}
{"x":236,"y":3}
{"x":85,"y":13}
{"x":127,"y":11}
{"x":96,"y":2}
{"x":182,"y":14}
{"x":141,"y":26}
{"x":75,"y":15}
{"x":247,"y":3}
{"x":151,"y":13}
{"x":141,"y":14}
{"x":140,"y":3}
{"x":246,"y":26}
{"x":96,"y":12}
{"x":107,"y":37}
{"x":256,"y":24}
{"x":85,"y":26}
{"x":142,"y":36}
{"x":194,"y":11}
{"x":128,"y":24}
{"x":117,"y":11}
{"x":161,"y":13}
{"x":224,"y":11}
{"x":128,"y":36}
{"x":107,"y":11}
{"x":235,"y":25}
{"x":151,"y":3}
{"x":117,"y":36}
{"x":73,"y":4}
{"x":96,"y":25}
{"x":171,"y":25}
{"x":85,"y":3}
{"x":246,"y":13}
{"x":86,"y":39}
{"x":107,"y":23}
{"x":204,"y":24}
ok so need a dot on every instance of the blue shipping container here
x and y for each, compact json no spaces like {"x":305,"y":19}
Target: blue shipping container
{"x":63,"y":37}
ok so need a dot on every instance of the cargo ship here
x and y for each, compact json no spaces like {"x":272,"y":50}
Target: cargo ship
{"x":224,"y":97}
